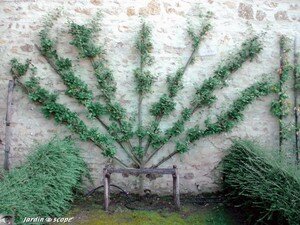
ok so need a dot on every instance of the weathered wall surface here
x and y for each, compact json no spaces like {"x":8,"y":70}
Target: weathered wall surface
{"x":20,"y":22}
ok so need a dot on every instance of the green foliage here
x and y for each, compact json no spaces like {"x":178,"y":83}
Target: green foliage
{"x":163,"y":107}
{"x":19,"y":69}
{"x":280,"y":107}
{"x":144,"y":45}
{"x":144,"y":81}
{"x":166,"y":103}
{"x":287,"y":130}
{"x":122,"y":132}
{"x":63,"y":115}
{"x":82,"y":40}
{"x":175,"y":83}
{"x":105,"y":79}
{"x":79,"y":90}
{"x":195,"y":36}
{"x":267,"y":188}
{"x":139,"y":151}
{"x":297,"y":73}
{"x":75,"y":86}
{"x":115,"y":111}
{"x":47,"y":45}
{"x":141,"y":132}
{"x":94,"y":24}
{"x":157,"y":139}
{"x":95,"y":109}
{"x":143,"y":78}
{"x":38,"y":94}
{"x":230,"y":118}
{"x":120,"y":128}
{"x":44,"y":185}
{"x":204,"y":94}
{"x":182,"y":147}
{"x":178,"y":126}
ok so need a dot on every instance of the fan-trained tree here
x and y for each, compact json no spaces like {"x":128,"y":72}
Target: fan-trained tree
{"x":120,"y":130}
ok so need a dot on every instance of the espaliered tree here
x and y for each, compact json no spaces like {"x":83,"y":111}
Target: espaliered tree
{"x":121,"y":132}
{"x":281,"y":107}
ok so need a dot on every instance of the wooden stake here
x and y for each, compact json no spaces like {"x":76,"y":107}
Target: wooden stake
{"x":281,"y":53}
{"x":106,"y":181}
{"x":296,"y":93}
{"x":176,"y":195}
{"x":11,"y":85}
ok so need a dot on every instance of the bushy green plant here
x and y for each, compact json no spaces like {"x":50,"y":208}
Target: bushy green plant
{"x":44,"y":185}
{"x":266,"y":187}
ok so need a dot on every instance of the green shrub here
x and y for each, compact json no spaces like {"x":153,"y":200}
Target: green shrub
{"x":266,"y":187}
{"x":44,"y":185}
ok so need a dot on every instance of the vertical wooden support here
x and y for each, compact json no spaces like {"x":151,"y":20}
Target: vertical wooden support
{"x":176,"y":195}
{"x":106,"y":179}
{"x":296,"y":107}
{"x":11,"y":85}
{"x":281,"y":53}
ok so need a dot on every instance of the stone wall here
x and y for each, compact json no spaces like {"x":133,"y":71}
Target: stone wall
{"x":234,"y":21}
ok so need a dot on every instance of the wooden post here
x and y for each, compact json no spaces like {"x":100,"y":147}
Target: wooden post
{"x":106,"y":179}
{"x":296,"y":107}
{"x":281,"y":65}
{"x":176,"y":187}
{"x":11,"y":85}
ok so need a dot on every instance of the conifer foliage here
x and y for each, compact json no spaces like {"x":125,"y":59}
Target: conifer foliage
{"x":44,"y":185}
{"x":121,"y":132}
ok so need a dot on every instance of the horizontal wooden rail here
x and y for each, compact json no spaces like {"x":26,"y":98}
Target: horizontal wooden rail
{"x":141,"y":171}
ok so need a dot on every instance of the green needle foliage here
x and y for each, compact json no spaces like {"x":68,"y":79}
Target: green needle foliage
{"x":120,"y":129}
{"x":44,"y":185}
{"x":267,"y":188}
